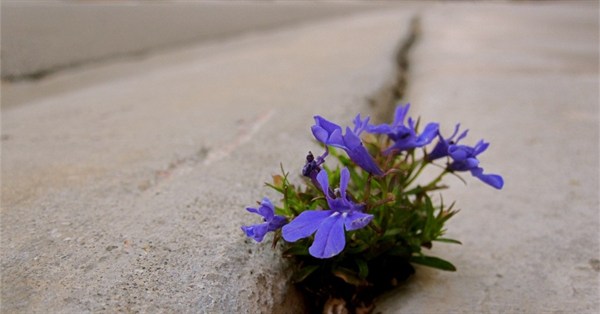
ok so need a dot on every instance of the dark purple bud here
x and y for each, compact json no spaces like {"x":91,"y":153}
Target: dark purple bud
{"x":311,"y":168}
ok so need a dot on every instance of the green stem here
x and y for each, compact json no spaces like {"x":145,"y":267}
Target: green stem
{"x":368,"y":188}
{"x":430,"y":185}
{"x":376,"y":229}
{"x":424,"y":163}
{"x":438,"y":179}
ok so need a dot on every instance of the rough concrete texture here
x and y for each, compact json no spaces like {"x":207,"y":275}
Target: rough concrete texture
{"x":525,"y":78}
{"x":128,"y":195}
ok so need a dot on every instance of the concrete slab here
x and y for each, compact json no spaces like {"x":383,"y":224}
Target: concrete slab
{"x":40,"y":37}
{"x":525,"y":78}
{"x":127,"y":195}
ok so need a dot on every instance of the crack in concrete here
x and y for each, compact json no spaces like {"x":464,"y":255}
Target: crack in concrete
{"x":206,"y":156}
{"x":182,"y":25}
{"x":41,"y":74}
{"x":174,"y":166}
{"x":384,"y":101}
{"x":243,"y":136}
{"x":387,"y":97}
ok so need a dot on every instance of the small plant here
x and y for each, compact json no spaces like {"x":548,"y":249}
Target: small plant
{"x":361,"y":220}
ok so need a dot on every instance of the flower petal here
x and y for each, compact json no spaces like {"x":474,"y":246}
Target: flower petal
{"x":351,"y":140}
{"x":323,"y":181}
{"x":400,"y":114}
{"x":336,"y":139}
{"x":439,"y":150}
{"x":430,"y":132}
{"x":464,"y":165}
{"x":357,"y":220}
{"x":266,"y":209}
{"x":460,"y":152}
{"x":256,"y":232}
{"x":359,"y":154}
{"x":379,"y":129}
{"x":327,"y":132}
{"x":493,"y":180}
{"x":330,"y":239}
{"x":360,"y":125}
{"x":320,"y":133}
{"x":277,"y":222}
{"x":326,"y":124}
{"x":462,"y":135}
{"x":344,"y":179}
{"x":340,"y":204}
{"x":253,"y":210}
{"x":304,"y":225}
{"x":361,"y":157}
{"x":456,"y":128}
{"x":480,"y":147}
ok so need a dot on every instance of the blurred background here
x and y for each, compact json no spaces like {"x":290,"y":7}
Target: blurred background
{"x":43,"y":37}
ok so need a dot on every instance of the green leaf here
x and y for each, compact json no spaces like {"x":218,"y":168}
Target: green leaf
{"x":399,"y":250}
{"x":276,"y":188}
{"x":303,"y":273}
{"x":349,"y":276}
{"x":446,"y":240}
{"x":282,"y":211}
{"x":297,"y":250}
{"x":363,"y":268}
{"x":433,"y":261}
{"x":357,"y":249}
{"x":392,"y":232}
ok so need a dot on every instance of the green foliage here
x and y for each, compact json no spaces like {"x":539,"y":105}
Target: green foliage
{"x":406,"y":220}
{"x":433,"y":261}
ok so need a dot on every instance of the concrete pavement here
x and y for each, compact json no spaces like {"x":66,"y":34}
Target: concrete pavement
{"x":127,"y":194}
{"x":63,"y":34}
{"x":97,"y":40}
{"x":525,"y":78}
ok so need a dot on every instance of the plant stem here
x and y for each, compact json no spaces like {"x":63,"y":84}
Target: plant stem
{"x":424,"y":163}
{"x":368,"y":188}
{"x":435,"y":181}
{"x":430,"y":185}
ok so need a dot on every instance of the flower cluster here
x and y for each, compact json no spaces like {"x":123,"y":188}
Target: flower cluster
{"x":379,"y":214}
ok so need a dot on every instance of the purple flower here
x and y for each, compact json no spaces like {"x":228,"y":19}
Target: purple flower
{"x":329,"y":225}
{"x":272,"y":222}
{"x":441,"y":148}
{"x":464,"y":158}
{"x":330,"y":133}
{"x":404,"y":136}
